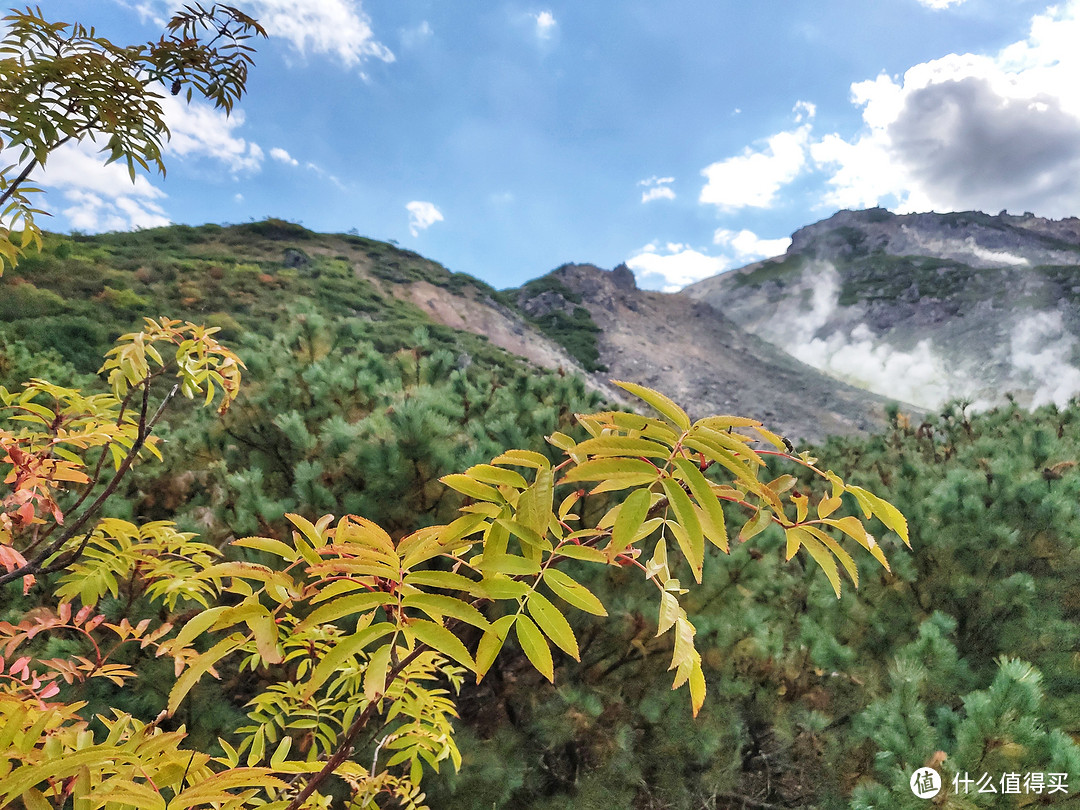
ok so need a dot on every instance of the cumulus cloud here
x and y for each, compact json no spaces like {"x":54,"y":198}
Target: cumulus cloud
{"x":545,"y":24}
{"x":102,"y":197}
{"x":748,"y":245}
{"x":672,"y":266}
{"x":281,"y":156}
{"x":657,"y":188}
{"x":99,"y":197}
{"x":753,"y":178}
{"x":201,"y":131}
{"x":336,"y":28}
{"x":970,"y":131}
{"x":422,"y":215}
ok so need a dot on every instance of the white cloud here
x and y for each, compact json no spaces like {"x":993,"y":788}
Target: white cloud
{"x":100,"y":197}
{"x":657,"y":193}
{"x":938,"y":5}
{"x":970,"y":131}
{"x":545,"y":24}
{"x":657,"y":188}
{"x":201,"y":131}
{"x":804,"y":111}
{"x":673,"y":266}
{"x":280,"y":155}
{"x":103,"y":197}
{"x":336,"y":28}
{"x":748,"y":245}
{"x":422,"y":215}
{"x":754,"y":177}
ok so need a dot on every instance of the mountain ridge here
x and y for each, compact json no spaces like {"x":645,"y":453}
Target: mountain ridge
{"x":922,"y":307}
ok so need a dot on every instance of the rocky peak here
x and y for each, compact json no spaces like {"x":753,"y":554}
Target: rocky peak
{"x":623,"y":278}
{"x":976,"y":239}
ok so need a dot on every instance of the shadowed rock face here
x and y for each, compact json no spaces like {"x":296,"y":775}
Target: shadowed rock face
{"x":922,"y":307}
{"x":707,"y":363}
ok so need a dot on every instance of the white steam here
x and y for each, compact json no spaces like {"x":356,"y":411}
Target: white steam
{"x":852,"y":353}
{"x":1041,"y":351}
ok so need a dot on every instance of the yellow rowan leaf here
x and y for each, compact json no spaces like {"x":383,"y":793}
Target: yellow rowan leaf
{"x":490,"y":474}
{"x":552,"y":622}
{"x":441,"y":640}
{"x":884,"y":511}
{"x":660,"y":403}
{"x":631,"y":515}
{"x":472,"y":488}
{"x":437,"y":606}
{"x":569,"y":590}
{"x":712,"y":512}
{"x":535,"y":646}
{"x":491,"y":644}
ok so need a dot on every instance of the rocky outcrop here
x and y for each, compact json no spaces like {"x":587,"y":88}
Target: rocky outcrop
{"x":922,"y":307}
{"x":709,"y":364}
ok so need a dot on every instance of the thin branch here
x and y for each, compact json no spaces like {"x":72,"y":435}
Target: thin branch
{"x":344,"y":750}
{"x":11,"y":189}
{"x":145,"y":429}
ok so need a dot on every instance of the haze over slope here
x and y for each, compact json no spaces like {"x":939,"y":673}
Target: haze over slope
{"x":922,"y":307}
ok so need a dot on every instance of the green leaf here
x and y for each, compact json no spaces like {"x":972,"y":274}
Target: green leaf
{"x":441,"y":579}
{"x":853,"y":528}
{"x":510,"y":564}
{"x":613,"y":473}
{"x":472,"y":488}
{"x":838,"y":551}
{"x":491,"y":644}
{"x":821,"y":556}
{"x":697,"y":688}
{"x":500,"y":586}
{"x":496,"y":475}
{"x":528,"y":537}
{"x":660,"y":403}
{"x":199,"y":667}
{"x":611,"y":445}
{"x":437,"y":606}
{"x":631,"y":515}
{"x":553,"y":623}
{"x":535,"y":647}
{"x":199,"y":624}
{"x":343,"y":651}
{"x":524,"y":458}
{"x":670,"y":611}
{"x":375,"y":672}
{"x":755,"y":525}
{"x":691,"y":540}
{"x":712,"y":512}
{"x":441,"y":640}
{"x":343,"y":606}
{"x":885,"y":512}
{"x":586,"y":553}
{"x":266,"y":544}
{"x":534,"y":505}
{"x":573,"y":592}
{"x":265,"y":631}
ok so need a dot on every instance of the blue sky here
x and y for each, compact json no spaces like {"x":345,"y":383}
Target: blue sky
{"x":685,"y":138}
